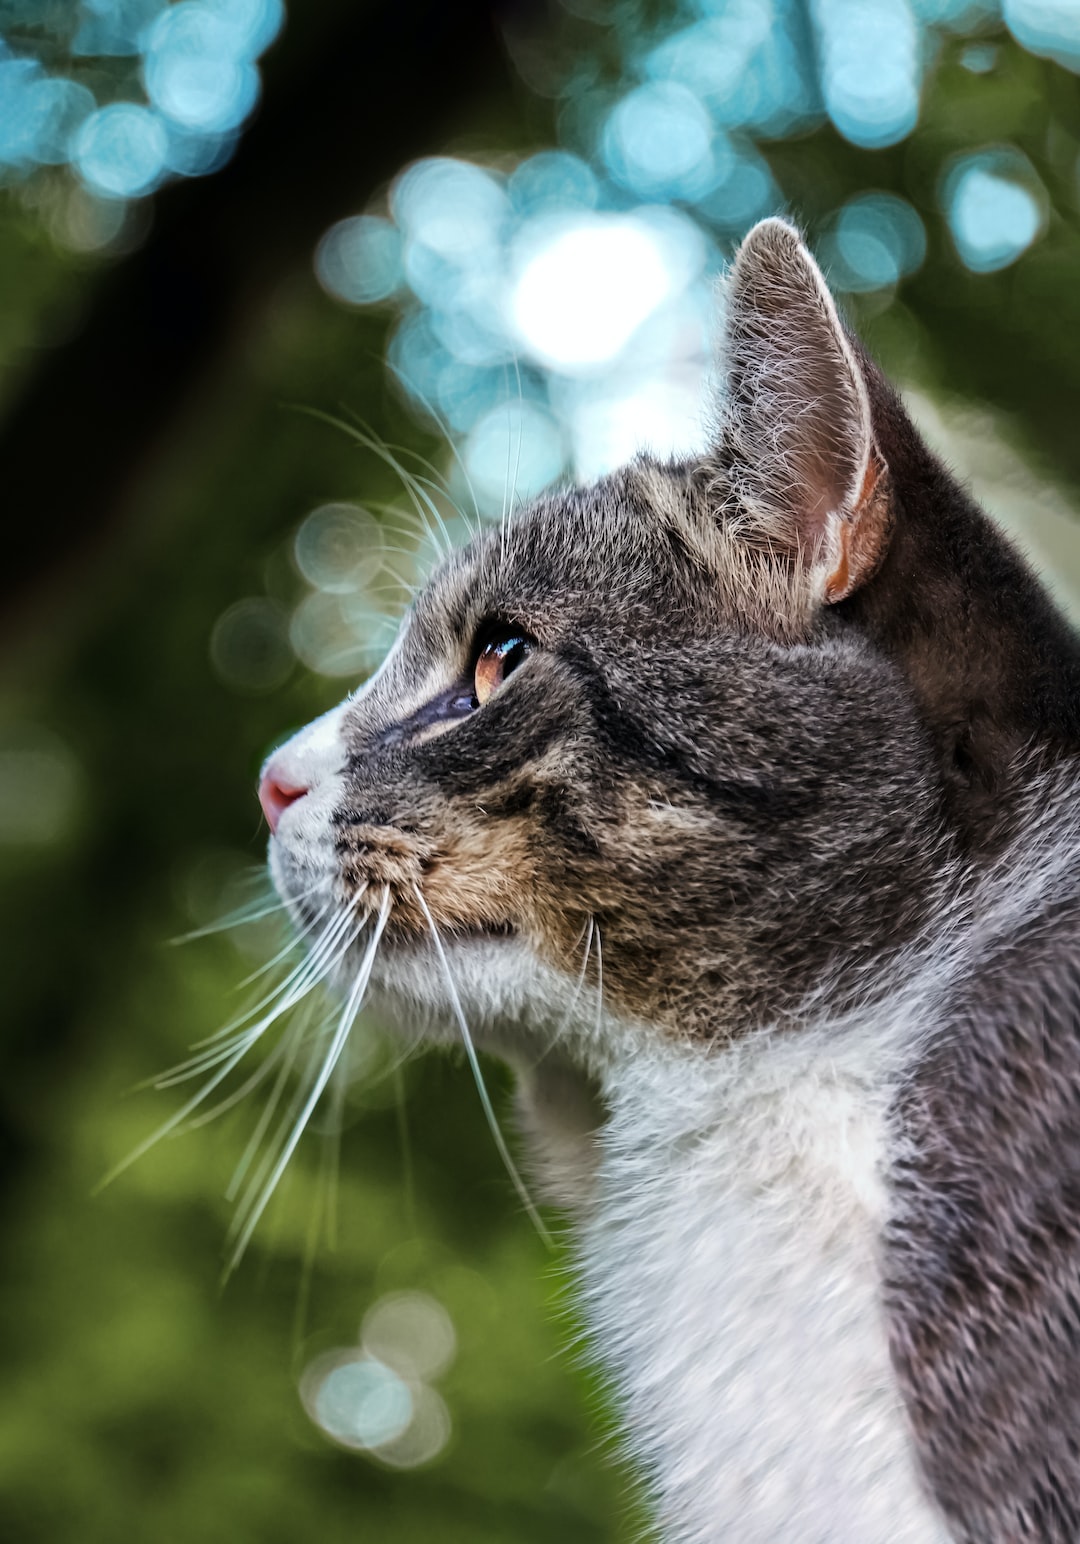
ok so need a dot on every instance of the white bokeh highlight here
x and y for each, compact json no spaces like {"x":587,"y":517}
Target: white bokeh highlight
{"x":377,"y":1397}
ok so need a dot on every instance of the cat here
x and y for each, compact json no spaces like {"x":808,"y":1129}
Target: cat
{"x":733,"y":801}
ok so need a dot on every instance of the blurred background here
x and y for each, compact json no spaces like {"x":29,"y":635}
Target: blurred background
{"x":282,"y":286}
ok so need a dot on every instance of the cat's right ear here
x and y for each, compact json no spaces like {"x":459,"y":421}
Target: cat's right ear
{"x":796,"y":456}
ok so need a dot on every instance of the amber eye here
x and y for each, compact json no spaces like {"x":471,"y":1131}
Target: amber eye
{"x":498,"y":659}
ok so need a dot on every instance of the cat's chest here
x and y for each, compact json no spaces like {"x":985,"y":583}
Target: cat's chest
{"x":731,"y":1278}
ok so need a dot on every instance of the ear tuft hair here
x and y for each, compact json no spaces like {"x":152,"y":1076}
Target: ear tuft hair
{"x":797,"y":467}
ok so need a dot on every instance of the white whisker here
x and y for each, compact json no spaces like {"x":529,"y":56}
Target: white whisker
{"x":291,"y":1045}
{"x":176,"y":1119}
{"x":261,"y":1073}
{"x":283,"y":954}
{"x":510,"y":485}
{"x":378,"y":448}
{"x":478,"y":1077}
{"x":255,"y":1184}
{"x":314,"y":958}
{"x":247,"y":1037}
{"x":449,"y":438}
{"x":250,"y":1213}
{"x":239,"y":918}
{"x":410,"y":589}
{"x":186,"y":1070}
{"x":587,"y":932}
{"x":506,"y":480}
{"x":225,"y":1057}
{"x":436,"y":485}
{"x":599,"y":982}
{"x":520,"y":439}
{"x":415,"y":487}
{"x":401,"y":522}
{"x":418,"y":488}
{"x":339,"y":1083}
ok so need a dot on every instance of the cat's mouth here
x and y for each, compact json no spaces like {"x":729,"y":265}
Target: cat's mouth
{"x":451,"y":932}
{"x":485,"y":930}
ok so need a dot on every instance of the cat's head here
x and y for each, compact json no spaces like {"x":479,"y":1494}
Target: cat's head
{"x":629,"y":739}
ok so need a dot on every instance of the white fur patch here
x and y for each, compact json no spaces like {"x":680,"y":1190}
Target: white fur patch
{"x":730,"y":1274}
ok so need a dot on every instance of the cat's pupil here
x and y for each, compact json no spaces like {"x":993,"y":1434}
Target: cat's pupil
{"x":511,"y":653}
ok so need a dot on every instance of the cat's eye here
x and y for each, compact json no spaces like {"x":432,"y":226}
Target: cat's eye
{"x":497,"y":660}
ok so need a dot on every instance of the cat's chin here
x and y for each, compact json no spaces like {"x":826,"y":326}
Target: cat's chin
{"x":491,"y":976}
{"x":477,"y":964}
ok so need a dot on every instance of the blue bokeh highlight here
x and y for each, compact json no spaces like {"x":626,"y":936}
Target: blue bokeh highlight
{"x":870,"y":68}
{"x":557,"y":284}
{"x":120,"y":150}
{"x":995,"y":206}
{"x":874,"y":241}
{"x":198,"y":68}
{"x":1047,"y":27}
{"x":359,"y":260}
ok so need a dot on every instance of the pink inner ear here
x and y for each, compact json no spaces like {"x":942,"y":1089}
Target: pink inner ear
{"x":863,"y":535}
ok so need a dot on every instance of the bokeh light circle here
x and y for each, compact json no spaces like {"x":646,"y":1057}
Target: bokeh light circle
{"x":39,"y":115}
{"x":19,"y":124}
{"x":582,"y":292}
{"x":340,"y":635}
{"x":411,"y":1332}
{"x":195,"y":70}
{"x":358,"y":1401}
{"x":513,"y":453}
{"x":192,"y":153}
{"x":40,"y":781}
{"x":870,"y":71}
{"x":875,"y":240}
{"x":453,"y":208}
{"x":552,"y":181}
{"x":425,"y":1436}
{"x":995,"y":206}
{"x":1047,"y":27}
{"x":120,"y":150}
{"x":249,"y":646}
{"x":359,"y":260}
{"x":339,"y":548}
{"x":658,"y":142}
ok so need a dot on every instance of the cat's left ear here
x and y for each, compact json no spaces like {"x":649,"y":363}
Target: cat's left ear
{"x":797,"y":454}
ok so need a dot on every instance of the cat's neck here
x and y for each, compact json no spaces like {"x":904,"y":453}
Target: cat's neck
{"x":730,"y":1267}
{"x":994,"y":665}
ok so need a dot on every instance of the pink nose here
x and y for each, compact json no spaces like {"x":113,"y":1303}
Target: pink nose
{"x":276,"y":794}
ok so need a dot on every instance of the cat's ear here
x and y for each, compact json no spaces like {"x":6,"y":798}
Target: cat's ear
{"x":796,"y":444}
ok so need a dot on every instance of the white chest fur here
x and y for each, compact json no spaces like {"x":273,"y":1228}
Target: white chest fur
{"x":730,"y":1274}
